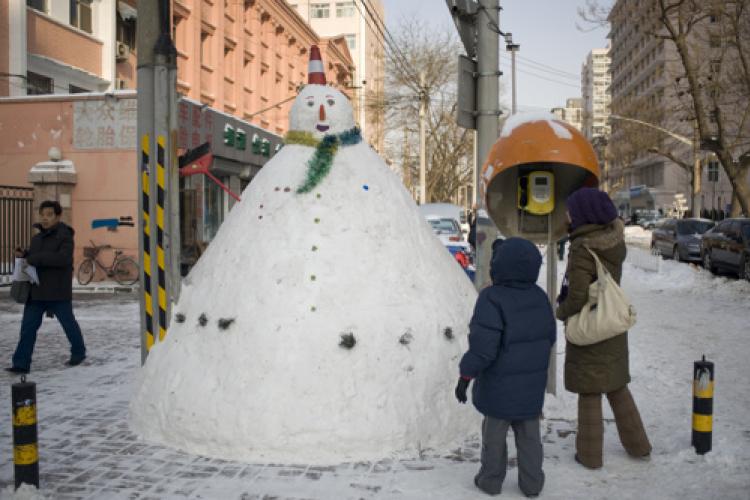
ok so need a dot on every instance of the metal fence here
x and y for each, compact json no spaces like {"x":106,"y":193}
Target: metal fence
{"x":16,"y":217}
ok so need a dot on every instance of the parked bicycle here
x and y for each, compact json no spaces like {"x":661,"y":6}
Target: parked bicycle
{"x":123,"y":269}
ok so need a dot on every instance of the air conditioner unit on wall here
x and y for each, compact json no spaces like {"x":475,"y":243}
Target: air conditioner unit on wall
{"x":122,"y":51}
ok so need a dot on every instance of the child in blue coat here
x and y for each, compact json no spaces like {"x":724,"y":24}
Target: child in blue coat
{"x":511,"y":334}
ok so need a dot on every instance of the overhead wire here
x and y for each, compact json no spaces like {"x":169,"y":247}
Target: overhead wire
{"x":389,"y":38}
{"x":385,"y":42}
{"x":547,"y":67}
{"x":567,"y":84}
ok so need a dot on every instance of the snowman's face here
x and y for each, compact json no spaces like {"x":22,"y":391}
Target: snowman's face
{"x":321,"y":110}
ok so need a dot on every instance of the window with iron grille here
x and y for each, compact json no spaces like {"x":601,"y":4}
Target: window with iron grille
{"x":320,"y":10}
{"x":74,"y":89}
{"x":37,"y":84}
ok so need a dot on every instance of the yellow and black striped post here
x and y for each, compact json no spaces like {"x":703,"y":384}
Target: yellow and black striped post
{"x":25,"y":451}
{"x":160,"y":256}
{"x":703,"y":405}
{"x":146,"y":260}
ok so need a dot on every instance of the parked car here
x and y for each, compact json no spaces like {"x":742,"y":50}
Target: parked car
{"x":649,"y":221}
{"x":448,"y":210}
{"x":680,"y":239}
{"x":449,"y":232}
{"x":727,"y":247}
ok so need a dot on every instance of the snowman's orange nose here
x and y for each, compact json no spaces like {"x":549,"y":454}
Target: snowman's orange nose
{"x":322,"y":113}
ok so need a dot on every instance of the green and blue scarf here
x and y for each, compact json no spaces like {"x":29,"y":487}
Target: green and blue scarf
{"x":325,"y":149}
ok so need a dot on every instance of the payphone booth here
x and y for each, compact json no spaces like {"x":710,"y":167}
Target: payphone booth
{"x":529,"y":173}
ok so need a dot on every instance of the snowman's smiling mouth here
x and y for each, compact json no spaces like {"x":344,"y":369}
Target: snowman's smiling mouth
{"x":321,"y":127}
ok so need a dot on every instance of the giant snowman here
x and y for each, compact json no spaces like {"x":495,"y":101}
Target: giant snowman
{"x":325,"y":321}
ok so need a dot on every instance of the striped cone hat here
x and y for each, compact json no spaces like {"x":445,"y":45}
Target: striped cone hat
{"x":315,"y":70}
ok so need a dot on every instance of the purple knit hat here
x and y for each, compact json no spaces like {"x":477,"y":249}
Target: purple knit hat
{"x":590,"y":206}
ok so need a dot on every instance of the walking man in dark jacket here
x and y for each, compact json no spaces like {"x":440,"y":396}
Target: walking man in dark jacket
{"x":511,"y":335}
{"x":51,"y":252}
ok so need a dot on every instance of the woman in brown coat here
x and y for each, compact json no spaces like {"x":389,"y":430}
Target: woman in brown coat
{"x":601,"y":368}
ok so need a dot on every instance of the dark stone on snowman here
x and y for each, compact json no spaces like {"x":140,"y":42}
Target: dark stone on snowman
{"x":179,"y":317}
{"x":347,"y":340}
{"x":225,"y":323}
{"x":448,"y":332}
{"x":203,"y":319}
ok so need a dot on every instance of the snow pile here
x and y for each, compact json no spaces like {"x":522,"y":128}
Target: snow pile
{"x":678,"y":277}
{"x":24,"y":492}
{"x":317,"y":328}
{"x":519,"y":119}
{"x":636,"y":235}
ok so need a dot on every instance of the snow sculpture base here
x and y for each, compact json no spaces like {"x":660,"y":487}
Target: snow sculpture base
{"x":295,"y":272}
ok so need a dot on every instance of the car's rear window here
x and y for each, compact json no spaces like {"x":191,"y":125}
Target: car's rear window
{"x":693,"y":227}
{"x":444,"y":225}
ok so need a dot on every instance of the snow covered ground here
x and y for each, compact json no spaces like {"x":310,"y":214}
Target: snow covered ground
{"x":637,"y":236}
{"x":87,"y":450}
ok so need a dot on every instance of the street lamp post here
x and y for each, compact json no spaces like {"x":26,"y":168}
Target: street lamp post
{"x":512,"y":48}
{"x":695,"y":178}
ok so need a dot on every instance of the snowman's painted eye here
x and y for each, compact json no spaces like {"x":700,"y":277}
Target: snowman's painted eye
{"x":310,"y":103}
{"x":331,"y":102}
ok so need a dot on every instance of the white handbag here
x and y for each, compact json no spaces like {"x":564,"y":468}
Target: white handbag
{"x":607,"y":313}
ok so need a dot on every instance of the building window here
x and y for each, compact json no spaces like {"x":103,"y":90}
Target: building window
{"x":205,"y":49}
{"x":77,"y":90}
{"x":213,"y":208}
{"x":713,"y":171}
{"x":37,"y":84}
{"x":80,"y":15}
{"x":125,"y":31}
{"x":344,"y":9}
{"x":320,"y":10}
{"x":40,"y":5}
{"x":351,"y":41}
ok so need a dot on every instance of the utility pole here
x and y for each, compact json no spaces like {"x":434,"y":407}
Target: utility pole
{"x":696,"y":204}
{"x":422,"y":140}
{"x":479,"y":102}
{"x":487,"y":113}
{"x":406,"y":171}
{"x":488,"y":100}
{"x":158,"y":188}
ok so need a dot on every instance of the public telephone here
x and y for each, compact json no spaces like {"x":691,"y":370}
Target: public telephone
{"x":536,"y":192}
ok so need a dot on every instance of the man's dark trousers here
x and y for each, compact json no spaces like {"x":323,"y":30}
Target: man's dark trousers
{"x":33,"y":313}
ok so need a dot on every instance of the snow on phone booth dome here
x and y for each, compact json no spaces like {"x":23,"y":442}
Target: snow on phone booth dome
{"x":320,"y":109}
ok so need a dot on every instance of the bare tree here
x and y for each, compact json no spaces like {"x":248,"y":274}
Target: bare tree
{"x":712,"y":41}
{"x":423,"y":63}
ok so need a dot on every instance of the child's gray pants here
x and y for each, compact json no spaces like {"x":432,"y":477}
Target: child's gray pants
{"x":495,"y":455}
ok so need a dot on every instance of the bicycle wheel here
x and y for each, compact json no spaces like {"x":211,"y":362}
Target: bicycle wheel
{"x":126,"y":271}
{"x":86,"y":271}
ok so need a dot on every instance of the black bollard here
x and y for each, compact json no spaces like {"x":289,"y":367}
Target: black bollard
{"x":25,"y":452}
{"x":703,"y":405}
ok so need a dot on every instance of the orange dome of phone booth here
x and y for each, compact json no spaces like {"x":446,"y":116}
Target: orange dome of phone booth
{"x":530,"y":171}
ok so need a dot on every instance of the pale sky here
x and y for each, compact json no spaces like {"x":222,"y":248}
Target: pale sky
{"x":552,"y":48}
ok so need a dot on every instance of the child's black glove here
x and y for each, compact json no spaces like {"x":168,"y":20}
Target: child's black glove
{"x":463,"y":384}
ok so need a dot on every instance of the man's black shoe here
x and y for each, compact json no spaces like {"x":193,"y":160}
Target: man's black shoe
{"x":15,"y":369}
{"x":75,"y":361}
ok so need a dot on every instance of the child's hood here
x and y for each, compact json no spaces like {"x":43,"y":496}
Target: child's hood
{"x":515,"y":260}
